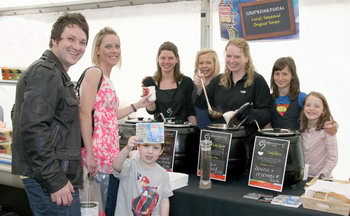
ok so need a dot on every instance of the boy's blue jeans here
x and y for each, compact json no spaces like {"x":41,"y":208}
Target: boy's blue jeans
{"x":41,"y":203}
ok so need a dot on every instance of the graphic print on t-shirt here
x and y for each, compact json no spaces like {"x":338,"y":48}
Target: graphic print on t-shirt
{"x":282,"y":108}
{"x":282,"y":104}
{"x":146,"y":201}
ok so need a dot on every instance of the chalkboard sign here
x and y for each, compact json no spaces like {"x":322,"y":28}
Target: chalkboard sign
{"x":268,"y":163}
{"x":166,"y":159}
{"x":125,"y":132}
{"x":268,"y":18}
{"x":221,"y":143}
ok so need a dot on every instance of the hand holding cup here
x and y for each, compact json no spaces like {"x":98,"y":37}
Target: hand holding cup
{"x":150,"y":91}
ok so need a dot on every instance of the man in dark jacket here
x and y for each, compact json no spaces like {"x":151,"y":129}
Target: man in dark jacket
{"x":46,"y":129}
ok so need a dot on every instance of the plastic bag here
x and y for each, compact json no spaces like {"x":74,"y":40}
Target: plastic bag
{"x":91,"y":197}
{"x":103,"y":180}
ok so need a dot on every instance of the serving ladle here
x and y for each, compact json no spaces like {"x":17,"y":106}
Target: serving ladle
{"x":212,"y":113}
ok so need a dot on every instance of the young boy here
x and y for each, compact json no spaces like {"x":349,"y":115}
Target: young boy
{"x":144,"y":185}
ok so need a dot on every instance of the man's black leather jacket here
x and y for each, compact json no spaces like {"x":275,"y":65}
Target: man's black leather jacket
{"x":46,"y":128}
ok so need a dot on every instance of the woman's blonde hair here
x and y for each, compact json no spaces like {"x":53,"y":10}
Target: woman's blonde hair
{"x":97,"y":43}
{"x":249,"y":67}
{"x":325,"y":116}
{"x":215,"y":59}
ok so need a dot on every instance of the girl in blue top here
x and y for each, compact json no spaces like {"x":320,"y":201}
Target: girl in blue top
{"x":287,"y":97}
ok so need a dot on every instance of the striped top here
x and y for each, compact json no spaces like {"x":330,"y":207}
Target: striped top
{"x":320,"y":152}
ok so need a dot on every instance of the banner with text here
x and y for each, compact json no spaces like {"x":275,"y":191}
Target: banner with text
{"x":266,"y":19}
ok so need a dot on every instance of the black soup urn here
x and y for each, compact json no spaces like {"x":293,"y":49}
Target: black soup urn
{"x":295,"y":161}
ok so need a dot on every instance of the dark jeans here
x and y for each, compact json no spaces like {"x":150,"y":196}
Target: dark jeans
{"x":41,"y":203}
{"x":112,"y":194}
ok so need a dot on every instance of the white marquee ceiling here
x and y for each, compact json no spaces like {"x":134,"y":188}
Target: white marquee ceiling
{"x":18,"y":7}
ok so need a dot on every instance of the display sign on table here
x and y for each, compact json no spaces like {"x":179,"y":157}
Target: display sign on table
{"x":166,"y":160}
{"x":269,"y":18}
{"x":221,"y":143}
{"x":268,"y":163}
{"x":125,"y":132}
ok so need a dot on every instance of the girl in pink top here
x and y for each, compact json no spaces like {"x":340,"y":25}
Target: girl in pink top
{"x":320,"y":148}
{"x":101,"y":143}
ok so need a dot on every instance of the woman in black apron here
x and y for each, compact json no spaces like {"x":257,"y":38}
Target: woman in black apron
{"x":173,"y":89}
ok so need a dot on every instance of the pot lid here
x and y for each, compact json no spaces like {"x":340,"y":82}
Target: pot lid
{"x":174,"y":125}
{"x":138,"y":120}
{"x":223,"y":127}
{"x":276,"y":132}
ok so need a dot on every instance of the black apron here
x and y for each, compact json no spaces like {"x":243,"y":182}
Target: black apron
{"x":171,"y":103}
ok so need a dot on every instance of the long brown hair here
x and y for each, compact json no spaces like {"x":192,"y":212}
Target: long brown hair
{"x":325,"y":116}
{"x":169,"y":46}
{"x":294,"y":88}
{"x":249,"y":67}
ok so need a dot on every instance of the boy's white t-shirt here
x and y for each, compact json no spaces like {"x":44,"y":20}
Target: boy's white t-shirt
{"x":141,"y":189}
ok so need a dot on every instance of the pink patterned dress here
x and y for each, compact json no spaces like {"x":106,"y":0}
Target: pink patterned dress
{"x":105,"y":139}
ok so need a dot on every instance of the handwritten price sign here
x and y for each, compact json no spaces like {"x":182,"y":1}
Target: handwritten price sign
{"x":268,"y":163}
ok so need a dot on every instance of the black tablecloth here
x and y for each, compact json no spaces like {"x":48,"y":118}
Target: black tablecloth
{"x":226,"y":198}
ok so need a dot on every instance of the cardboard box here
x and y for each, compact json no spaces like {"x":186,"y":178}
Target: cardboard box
{"x":325,"y":205}
{"x":178,"y":180}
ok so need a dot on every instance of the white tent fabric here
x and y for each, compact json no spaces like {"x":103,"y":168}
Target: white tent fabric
{"x":321,"y":53}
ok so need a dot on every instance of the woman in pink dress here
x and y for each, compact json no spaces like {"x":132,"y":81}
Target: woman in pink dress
{"x":101,"y":142}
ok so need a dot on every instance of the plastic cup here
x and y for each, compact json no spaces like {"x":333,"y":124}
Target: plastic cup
{"x":152,"y":92}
